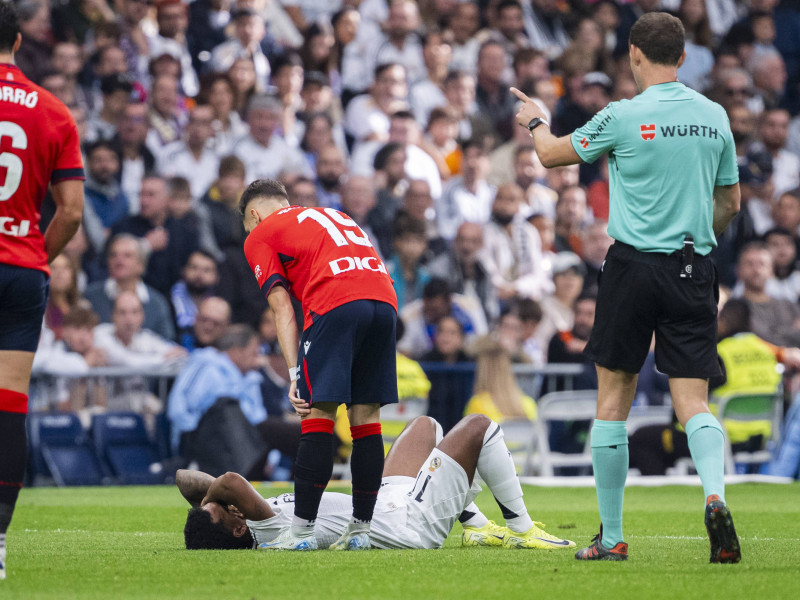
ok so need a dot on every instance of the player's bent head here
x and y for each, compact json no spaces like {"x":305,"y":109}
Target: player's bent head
{"x":267,"y":194}
{"x":201,"y":533}
{"x":660,"y":36}
{"x":9,"y":25}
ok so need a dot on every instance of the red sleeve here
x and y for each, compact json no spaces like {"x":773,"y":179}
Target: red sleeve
{"x":69,"y":162}
{"x":265,"y":263}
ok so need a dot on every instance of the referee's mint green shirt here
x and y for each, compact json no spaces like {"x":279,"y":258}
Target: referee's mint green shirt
{"x":667,"y":149}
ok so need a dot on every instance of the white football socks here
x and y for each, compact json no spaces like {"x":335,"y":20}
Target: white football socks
{"x":496,"y":468}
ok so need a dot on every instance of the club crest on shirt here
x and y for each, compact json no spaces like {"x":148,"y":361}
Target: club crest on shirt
{"x":648,"y":131}
{"x":435,"y":464}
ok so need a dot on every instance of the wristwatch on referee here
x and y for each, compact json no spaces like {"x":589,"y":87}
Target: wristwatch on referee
{"x":535,"y":122}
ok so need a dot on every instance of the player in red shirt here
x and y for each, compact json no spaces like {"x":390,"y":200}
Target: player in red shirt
{"x":347,"y":354}
{"x":39,"y":146}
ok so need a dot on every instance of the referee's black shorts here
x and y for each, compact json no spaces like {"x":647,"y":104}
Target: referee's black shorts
{"x":641,"y":293}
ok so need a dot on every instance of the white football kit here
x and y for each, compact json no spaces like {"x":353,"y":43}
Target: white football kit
{"x":409,"y":513}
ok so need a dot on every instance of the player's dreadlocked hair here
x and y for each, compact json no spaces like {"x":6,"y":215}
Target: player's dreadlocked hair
{"x":200,"y":533}
{"x":9,"y":25}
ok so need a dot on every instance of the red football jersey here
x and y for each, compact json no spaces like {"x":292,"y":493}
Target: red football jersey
{"x":39,"y":145}
{"x":322,"y":258}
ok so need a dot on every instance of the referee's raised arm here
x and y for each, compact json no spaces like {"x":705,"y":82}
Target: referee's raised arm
{"x":552,"y":151}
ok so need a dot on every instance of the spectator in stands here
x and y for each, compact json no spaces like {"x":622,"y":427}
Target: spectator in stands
{"x":512,"y":249}
{"x":491,"y":92}
{"x":172,"y":17}
{"x":427,"y":93}
{"x":218,"y":206}
{"x":782,"y":246}
{"x":116,"y":92}
{"x":169,"y":241}
{"x":450,"y":388}
{"x":404,"y":266}
{"x":330,"y":170}
{"x":545,"y":27}
{"x":497,"y":394}
{"x":528,"y":174}
{"x":403,"y":129}
{"x":137,"y":160}
{"x":775,"y":320}
{"x":367,"y":116}
{"x":459,"y":89}
{"x":595,"y":245}
{"x":287,"y":80}
{"x":193,"y":158}
{"x":228,"y":126}
{"x":127,"y":343}
{"x":774,"y":134}
{"x":206,"y":29}
{"x":264,"y":153}
{"x":464,"y":25}
{"x":787,"y":211}
{"x":508,"y":332}
{"x":769,"y":76}
{"x":105,"y":201}
{"x":302,"y":192}
{"x":317,"y":134}
{"x":441,"y":141}
{"x":127,"y":259}
{"x":399,"y":42}
{"x":567,"y":346}
{"x":212,"y":320}
{"x":391,"y":183}
{"x":228,"y":371}
{"x":33,"y":55}
{"x":530,"y":315}
{"x":568,"y":276}
{"x":64,"y":294}
{"x":469,"y":196}
{"x":438,"y":301}
{"x":75,"y":354}
{"x":249,"y":32}
{"x":358,"y":200}
{"x":166,"y":120}
{"x":200,"y":276}
{"x":570,"y":219}
{"x":463,"y":270}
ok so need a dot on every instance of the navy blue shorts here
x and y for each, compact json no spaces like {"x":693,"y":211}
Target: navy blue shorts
{"x":348,"y":355}
{"x":23,"y":297}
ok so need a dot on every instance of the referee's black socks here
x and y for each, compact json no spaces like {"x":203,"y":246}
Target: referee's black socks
{"x":313,"y":467}
{"x":366,"y":465}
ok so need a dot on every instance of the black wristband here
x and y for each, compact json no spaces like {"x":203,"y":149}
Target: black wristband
{"x":535,"y":122}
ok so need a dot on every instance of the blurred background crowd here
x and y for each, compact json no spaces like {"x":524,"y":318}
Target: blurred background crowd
{"x":396,"y":112}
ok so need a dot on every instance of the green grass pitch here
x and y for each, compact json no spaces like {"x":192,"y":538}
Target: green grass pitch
{"x":119,"y":543}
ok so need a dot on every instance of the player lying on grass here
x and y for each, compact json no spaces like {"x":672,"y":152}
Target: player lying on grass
{"x":427,"y":486}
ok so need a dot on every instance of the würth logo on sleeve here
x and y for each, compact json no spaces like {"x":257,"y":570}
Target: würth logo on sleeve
{"x":585,"y":143}
{"x":648,"y":131}
{"x":258,"y":272}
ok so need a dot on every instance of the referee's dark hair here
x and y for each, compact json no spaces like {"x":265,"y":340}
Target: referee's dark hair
{"x":9,"y":25}
{"x":660,"y":36}
{"x":262,"y":188}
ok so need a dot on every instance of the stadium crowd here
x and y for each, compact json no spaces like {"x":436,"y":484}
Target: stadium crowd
{"x":398,"y":113}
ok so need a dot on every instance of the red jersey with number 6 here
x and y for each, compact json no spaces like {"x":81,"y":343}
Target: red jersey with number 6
{"x":39,"y":145}
{"x":320,"y":256}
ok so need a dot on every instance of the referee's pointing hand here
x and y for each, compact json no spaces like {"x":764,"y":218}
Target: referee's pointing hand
{"x":529,"y":109}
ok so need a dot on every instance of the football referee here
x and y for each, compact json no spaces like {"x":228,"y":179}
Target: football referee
{"x":673,"y":188}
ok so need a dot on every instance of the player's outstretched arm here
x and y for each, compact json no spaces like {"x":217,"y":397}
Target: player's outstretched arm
{"x":193,"y":485}
{"x":68,"y":198}
{"x":233,"y":489}
{"x":552,"y":151}
{"x":727,"y":200}
{"x":281,"y":305}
